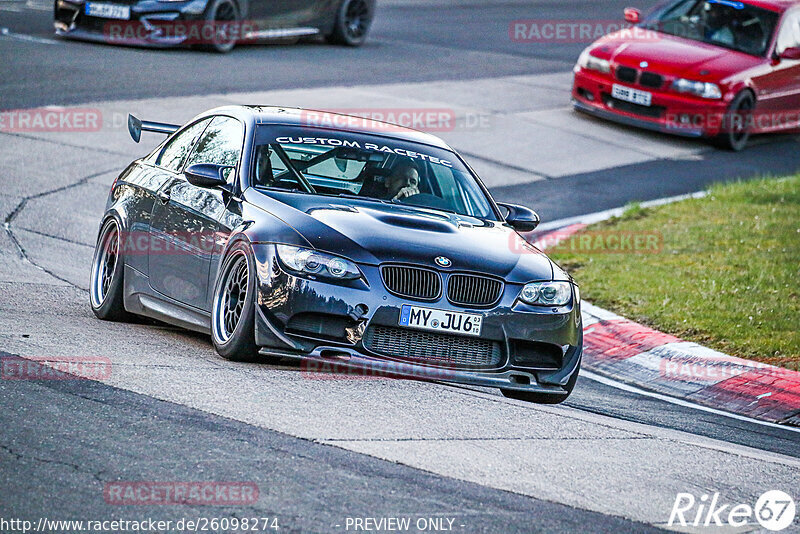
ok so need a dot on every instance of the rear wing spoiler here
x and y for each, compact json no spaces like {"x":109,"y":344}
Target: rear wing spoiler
{"x":136,"y":127}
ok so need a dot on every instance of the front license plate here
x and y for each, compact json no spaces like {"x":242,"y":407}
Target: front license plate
{"x":108,"y":11}
{"x":440,"y":320}
{"x":629,"y":94}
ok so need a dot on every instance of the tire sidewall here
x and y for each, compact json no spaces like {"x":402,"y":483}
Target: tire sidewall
{"x":210,"y":15}
{"x":728,"y":137}
{"x":112,"y":303}
{"x":340,"y":30}
{"x":240,"y":345}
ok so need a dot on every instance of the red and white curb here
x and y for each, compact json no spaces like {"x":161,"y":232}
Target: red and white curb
{"x":631,"y":353}
{"x":635,"y":354}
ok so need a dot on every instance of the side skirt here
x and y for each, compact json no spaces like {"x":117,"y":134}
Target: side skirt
{"x":141,"y":299}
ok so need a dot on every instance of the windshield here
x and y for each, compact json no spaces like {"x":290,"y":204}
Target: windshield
{"x":366,"y":167}
{"x":726,"y":23}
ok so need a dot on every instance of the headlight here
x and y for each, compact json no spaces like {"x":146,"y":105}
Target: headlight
{"x":311,"y":262}
{"x":704,"y":89}
{"x":588,"y":61}
{"x":546,"y":293}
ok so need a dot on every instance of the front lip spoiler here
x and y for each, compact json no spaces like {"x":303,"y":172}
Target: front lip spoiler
{"x":81,"y":34}
{"x":337,"y":359}
{"x":638,"y":123}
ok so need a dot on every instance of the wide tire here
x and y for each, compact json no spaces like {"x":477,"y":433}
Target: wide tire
{"x":233,"y":306}
{"x":543,"y":398}
{"x":106,"y":281}
{"x":736,"y":131}
{"x":219,"y":13}
{"x":353,"y":20}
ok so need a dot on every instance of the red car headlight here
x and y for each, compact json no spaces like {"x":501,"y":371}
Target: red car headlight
{"x":702,"y":89}
{"x":590,"y":62}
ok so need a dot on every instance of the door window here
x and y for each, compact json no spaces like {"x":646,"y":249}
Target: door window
{"x":789,"y":35}
{"x":221,"y":143}
{"x":177,"y":148}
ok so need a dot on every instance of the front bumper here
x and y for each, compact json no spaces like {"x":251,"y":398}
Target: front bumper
{"x":152,"y":23}
{"x":533,"y":348}
{"x":669,"y":112}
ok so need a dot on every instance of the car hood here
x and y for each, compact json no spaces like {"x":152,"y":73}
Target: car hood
{"x":373,"y":233}
{"x":674,"y":56}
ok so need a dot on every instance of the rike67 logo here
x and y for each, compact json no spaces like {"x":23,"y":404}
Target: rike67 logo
{"x":774,"y":510}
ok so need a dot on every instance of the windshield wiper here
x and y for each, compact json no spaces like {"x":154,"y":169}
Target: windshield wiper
{"x":401,"y":203}
{"x":358,"y":197}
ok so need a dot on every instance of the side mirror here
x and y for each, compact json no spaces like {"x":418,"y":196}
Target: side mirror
{"x":207,"y":174}
{"x":792,"y":53}
{"x":632,"y":15}
{"x":520,"y":218}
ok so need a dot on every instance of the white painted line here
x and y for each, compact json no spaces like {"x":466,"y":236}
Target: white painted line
{"x":591,"y":218}
{"x":680,"y":402}
{"x":5,"y":32}
{"x":39,"y":5}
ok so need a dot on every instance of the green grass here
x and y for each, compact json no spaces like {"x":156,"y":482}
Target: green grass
{"x":727,"y":274}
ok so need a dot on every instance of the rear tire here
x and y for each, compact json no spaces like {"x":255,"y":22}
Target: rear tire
{"x":543,"y":398}
{"x":221,"y":13}
{"x":736,"y":131}
{"x":106,"y":287}
{"x":353,"y":20}
{"x":233,"y":306}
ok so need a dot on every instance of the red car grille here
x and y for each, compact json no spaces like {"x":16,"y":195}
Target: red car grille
{"x":626,"y":74}
{"x":651,"y":79}
{"x":645,"y":79}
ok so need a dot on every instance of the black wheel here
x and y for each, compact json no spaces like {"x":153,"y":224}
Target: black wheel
{"x":353,"y":20}
{"x":233,"y":308}
{"x":223,"y":15}
{"x":543,"y":398}
{"x":105,"y":283}
{"x":736,"y":123}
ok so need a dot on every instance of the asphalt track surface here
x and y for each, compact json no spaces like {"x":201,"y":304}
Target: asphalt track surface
{"x":324,"y":450}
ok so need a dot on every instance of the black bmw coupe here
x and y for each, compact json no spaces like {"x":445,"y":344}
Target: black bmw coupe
{"x":216,"y":25}
{"x":370,"y":245}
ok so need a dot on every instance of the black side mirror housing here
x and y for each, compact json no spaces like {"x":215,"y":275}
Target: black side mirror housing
{"x":208,"y":175}
{"x":521,"y":218}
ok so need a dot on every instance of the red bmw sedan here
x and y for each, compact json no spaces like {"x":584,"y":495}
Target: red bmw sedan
{"x":721,"y":69}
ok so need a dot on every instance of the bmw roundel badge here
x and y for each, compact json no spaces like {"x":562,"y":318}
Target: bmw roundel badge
{"x":441,"y":261}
